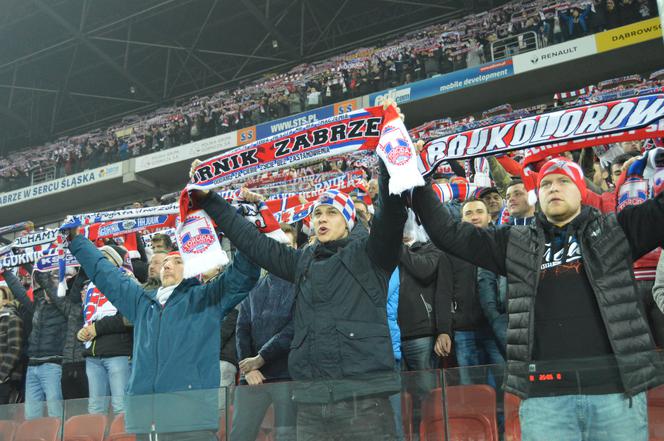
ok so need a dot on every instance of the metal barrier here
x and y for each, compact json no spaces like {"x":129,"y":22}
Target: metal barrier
{"x":514,"y":44}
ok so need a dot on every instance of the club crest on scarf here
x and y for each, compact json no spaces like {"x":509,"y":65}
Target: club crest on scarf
{"x":197,"y":239}
{"x":393,"y":142}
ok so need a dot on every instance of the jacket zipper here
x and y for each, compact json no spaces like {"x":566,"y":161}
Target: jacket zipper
{"x":531,"y":314}
{"x":601,"y":312}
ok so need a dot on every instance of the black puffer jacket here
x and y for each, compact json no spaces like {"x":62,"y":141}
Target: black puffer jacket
{"x":609,"y":244}
{"x":114,"y":338}
{"x":49,"y":324}
{"x":341,"y":346}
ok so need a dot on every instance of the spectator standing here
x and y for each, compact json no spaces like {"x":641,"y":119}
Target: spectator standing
{"x":559,"y":265}
{"x":45,"y":345}
{"x":11,"y":343}
{"x":264,"y":336}
{"x":108,"y":345}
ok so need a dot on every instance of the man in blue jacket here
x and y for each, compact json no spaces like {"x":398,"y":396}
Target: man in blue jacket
{"x":176,"y":341}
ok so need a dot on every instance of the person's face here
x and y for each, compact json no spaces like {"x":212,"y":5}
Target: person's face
{"x":362,"y":212}
{"x":616,"y":171}
{"x":373,"y":189}
{"x":476,"y":213}
{"x":158,"y":245}
{"x":517,"y":201}
{"x":560,"y":198}
{"x":494,"y":202}
{"x":599,"y":178}
{"x":610,"y":4}
{"x":329,"y":224}
{"x":156,"y":262}
{"x":172,"y":271}
{"x":138,"y":204}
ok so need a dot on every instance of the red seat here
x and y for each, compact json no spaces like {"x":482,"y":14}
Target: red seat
{"x":42,"y":429}
{"x":117,"y":430}
{"x":471,"y":412}
{"x":656,"y":413}
{"x":7,"y":430}
{"x":86,"y":428}
{"x":223,"y":429}
{"x":512,"y":423}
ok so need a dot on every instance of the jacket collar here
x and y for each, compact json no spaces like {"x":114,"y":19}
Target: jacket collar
{"x":185,"y":284}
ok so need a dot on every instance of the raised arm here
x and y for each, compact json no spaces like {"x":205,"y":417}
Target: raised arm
{"x":479,"y":246}
{"x":123,"y":292}
{"x":19,"y":292}
{"x":231,"y":287}
{"x":384,"y":244}
{"x":275,"y":257}
{"x":642,"y":225}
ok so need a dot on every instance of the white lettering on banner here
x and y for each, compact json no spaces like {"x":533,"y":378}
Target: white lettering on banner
{"x":188,"y":151}
{"x":63,"y":184}
{"x":559,"y":53}
{"x":398,"y":95}
{"x":567,"y":125}
{"x":478,"y":79}
{"x":292,"y":123}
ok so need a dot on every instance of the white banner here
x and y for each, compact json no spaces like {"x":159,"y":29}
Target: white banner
{"x":204,"y":147}
{"x":559,"y":53}
{"x":63,"y":184}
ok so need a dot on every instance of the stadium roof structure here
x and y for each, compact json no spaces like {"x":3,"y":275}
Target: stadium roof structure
{"x":70,"y":65}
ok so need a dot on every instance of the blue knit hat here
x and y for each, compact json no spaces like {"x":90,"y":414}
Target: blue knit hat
{"x":342,"y":202}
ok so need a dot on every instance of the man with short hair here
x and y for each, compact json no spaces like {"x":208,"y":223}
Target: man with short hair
{"x":520,"y":211}
{"x":154,"y":269}
{"x":162,"y":242}
{"x":618,"y":163}
{"x":494,"y":201}
{"x":474,"y":341}
{"x":580,"y":353}
{"x":177,"y":341}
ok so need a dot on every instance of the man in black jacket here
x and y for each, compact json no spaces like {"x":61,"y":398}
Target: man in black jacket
{"x":474,"y":342}
{"x":341,"y":355}
{"x":45,"y":345}
{"x":264,"y":334}
{"x":579,"y":350}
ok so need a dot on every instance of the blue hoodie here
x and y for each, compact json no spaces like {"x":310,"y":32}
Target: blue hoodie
{"x":176,"y":346}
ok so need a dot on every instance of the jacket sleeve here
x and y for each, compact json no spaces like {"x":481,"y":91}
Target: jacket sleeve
{"x":279,"y":344}
{"x":228,"y":327}
{"x":111,"y":325}
{"x":423,"y":264}
{"x":385,"y":238}
{"x":658,"y":287}
{"x":499,"y":174}
{"x":19,"y":292}
{"x":642,"y":225}
{"x":234,"y":284}
{"x":121,"y":290}
{"x":276,"y":258}
{"x":443,"y":295}
{"x":12,"y":355}
{"x":243,"y":331}
{"x":480,"y":246}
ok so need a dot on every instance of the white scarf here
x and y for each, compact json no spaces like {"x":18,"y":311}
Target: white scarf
{"x":164,"y":292}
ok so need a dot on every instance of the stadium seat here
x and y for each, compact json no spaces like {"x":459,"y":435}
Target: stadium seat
{"x":7,"y":430}
{"x":223,"y":428}
{"x":85,"y":428}
{"x":512,"y":423}
{"x":42,"y":429}
{"x":117,"y":430}
{"x":656,"y":413}
{"x":471,"y":412}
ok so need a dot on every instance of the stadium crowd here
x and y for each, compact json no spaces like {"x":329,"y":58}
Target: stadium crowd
{"x":362,"y":294}
{"x":438,"y":49}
